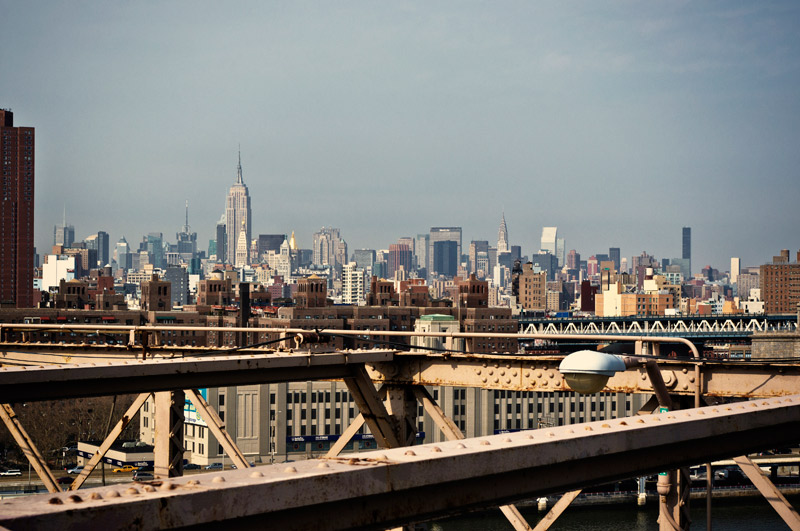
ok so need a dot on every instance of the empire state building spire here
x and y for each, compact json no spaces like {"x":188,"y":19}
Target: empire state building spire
{"x":237,"y":214}
{"x":239,"y":169}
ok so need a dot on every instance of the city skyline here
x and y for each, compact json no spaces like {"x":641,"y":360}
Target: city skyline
{"x":618,"y":124}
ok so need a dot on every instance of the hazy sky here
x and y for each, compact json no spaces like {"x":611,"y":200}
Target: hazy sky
{"x":618,"y":122}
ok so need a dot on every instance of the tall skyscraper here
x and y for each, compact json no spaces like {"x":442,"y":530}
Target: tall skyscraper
{"x":399,"y":256}
{"x":549,"y":237}
{"x":326,"y":246}
{"x":99,"y":242}
{"x":64,"y":234}
{"x":614,"y":255}
{"x":16,"y":213}
{"x":421,"y":251}
{"x":122,"y":253}
{"x":735,"y":268}
{"x":187,"y":241}
{"x":237,"y":210}
{"x":687,"y":247}
{"x":444,"y":234}
{"x":445,"y":261}
{"x":502,"y":236}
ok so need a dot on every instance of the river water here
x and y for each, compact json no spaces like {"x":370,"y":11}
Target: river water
{"x":732,"y":514}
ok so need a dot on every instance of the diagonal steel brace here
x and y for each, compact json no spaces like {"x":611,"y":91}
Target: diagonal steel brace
{"x":24,"y":441}
{"x":112,"y":436}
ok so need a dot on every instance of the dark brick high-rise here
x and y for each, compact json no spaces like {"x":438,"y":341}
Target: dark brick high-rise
{"x":16,"y":213}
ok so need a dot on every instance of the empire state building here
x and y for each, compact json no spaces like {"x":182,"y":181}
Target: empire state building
{"x":237,"y":214}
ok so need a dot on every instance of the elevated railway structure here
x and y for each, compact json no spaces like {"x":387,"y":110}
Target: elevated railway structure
{"x":399,"y":484}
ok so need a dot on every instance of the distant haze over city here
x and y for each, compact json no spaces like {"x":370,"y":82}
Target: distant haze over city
{"x":618,"y":123}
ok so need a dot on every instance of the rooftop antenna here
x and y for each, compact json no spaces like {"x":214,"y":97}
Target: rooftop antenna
{"x":239,"y":172}
{"x":186,"y":225}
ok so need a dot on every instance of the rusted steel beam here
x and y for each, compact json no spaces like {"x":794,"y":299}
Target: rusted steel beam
{"x":49,"y":382}
{"x":397,"y":486}
{"x":540,"y":374}
{"x":502,"y":372}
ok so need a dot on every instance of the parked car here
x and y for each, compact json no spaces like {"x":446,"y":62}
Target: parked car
{"x":142,"y":476}
{"x":11,"y":472}
{"x":125,"y":468}
{"x":191,"y":466}
{"x":64,"y":480}
{"x":214,"y":466}
{"x":75,"y":470}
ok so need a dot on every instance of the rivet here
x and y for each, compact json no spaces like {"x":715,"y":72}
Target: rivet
{"x":491,"y":372}
{"x":570,"y":431}
{"x":478,"y":372}
{"x":588,"y":428}
{"x":410,"y":452}
{"x":484,"y":380}
{"x":55,"y":501}
{"x":558,"y":382}
{"x":323,"y":464}
{"x":148,"y":488}
{"x":605,"y":426}
{"x":193,"y":482}
{"x":436,"y":449}
{"x":644,"y":376}
{"x":527,"y":375}
{"x":691,"y":379}
{"x":218,"y":479}
{"x":508,"y":380}
{"x":701,"y":412}
{"x":685,"y":386}
{"x":131,"y":490}
{"x":113,"y":494}
{"x":623,"y":423}
{"x":538,"y":374}
{"x":290,"y":470}
{"x":496,"y":380}
{"x":685,"y":370}
{"x":640,"y":421}
{"x":381,"y":457}
{"x":485,"y":443}
{"x":551,"y":374}
{"x":551,"y":434}
{"x":530,"y":436}
{"x":460,"y":445}
{"x":167,"y":486}
{"x":95,"y":496}
{"x":507,"y":440}
{"x":502,"y":373}
{"x":657,"y":419}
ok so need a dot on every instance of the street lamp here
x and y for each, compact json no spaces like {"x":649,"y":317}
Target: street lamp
{"x":587,"y":371}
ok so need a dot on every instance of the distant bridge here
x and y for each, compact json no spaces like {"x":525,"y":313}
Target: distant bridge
{"x":691,"y":327}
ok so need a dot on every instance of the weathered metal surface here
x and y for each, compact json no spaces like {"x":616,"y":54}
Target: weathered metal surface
{"x":540,"y":374}
{"x":396,"y":486}
{"x":48,"y":382}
